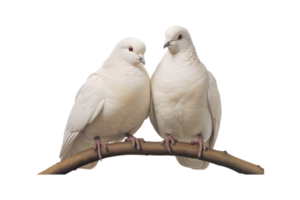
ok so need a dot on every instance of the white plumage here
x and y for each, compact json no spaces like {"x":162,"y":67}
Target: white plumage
{"x":185,"y":98}
{"x":112,"y":102}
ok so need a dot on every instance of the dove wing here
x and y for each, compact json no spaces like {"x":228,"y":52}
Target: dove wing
{"x":88,"y":104}
{"x":214,"y":102}
{"x":152,"y":115}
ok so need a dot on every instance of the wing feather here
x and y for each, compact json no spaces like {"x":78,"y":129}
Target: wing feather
{"x":88,"y":105}
{"x":214,"y":101}
{"x":152,"y":115}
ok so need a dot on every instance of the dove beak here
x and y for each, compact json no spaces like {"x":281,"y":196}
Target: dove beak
{"x":141,"y":58}
{"x":165,"y":46}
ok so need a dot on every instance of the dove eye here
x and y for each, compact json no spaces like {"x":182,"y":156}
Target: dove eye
{"x":130,"y":48}
{"x":179,"y":37}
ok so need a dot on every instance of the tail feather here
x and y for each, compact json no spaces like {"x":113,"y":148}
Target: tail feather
{"x":192,"y":162}
{"x":68,"y":143}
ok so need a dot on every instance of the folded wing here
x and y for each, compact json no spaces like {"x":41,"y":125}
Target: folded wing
{"x":214,"y":102}
{"x":88,"y":104}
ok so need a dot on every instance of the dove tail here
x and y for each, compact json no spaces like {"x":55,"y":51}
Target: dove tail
{"x":192,"y":162}
{"x":89,"y":166}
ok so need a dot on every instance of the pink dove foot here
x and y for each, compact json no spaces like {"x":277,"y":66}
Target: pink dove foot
{"x":97,"y":146}
{"x":134,"y":141}
{"x":201,"y":145}
{"x":169,"y":138}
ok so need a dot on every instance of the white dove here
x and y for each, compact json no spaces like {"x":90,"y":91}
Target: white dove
{"x":111,"y":104}
{"x":185,"y":101}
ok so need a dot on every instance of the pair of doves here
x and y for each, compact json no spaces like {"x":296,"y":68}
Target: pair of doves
{"x":181,"y":99}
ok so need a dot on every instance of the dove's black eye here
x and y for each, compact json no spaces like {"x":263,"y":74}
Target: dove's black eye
{"x":130,"y":48}
{"x":179,"y":37}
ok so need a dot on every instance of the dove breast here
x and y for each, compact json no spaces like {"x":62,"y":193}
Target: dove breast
{"x":179,"y":89}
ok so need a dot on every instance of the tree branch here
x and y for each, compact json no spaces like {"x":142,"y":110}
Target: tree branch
{"x":155,"y":148}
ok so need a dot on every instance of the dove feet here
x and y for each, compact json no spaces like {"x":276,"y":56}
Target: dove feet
{"x":201,"y":145}
{"x":167,"y":141}
{"x":134,"y":141}
{"x":97,"y":146}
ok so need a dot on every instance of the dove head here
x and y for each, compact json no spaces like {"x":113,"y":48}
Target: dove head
{"x":131,"y":50}
{"x":177,"y":38}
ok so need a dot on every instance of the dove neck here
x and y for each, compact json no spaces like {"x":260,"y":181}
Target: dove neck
{"x":114,"y":63}
{"x":119,"y":68}
{"x":187,"y":53}
{"x":191,"y":48}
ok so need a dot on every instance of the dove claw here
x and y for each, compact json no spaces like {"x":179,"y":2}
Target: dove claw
{"x":168,"y":147}
{"x":135,"y":141}
{"x":167,"y":141}
{"x":201,"y":143}
{"x":97,"y":147}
